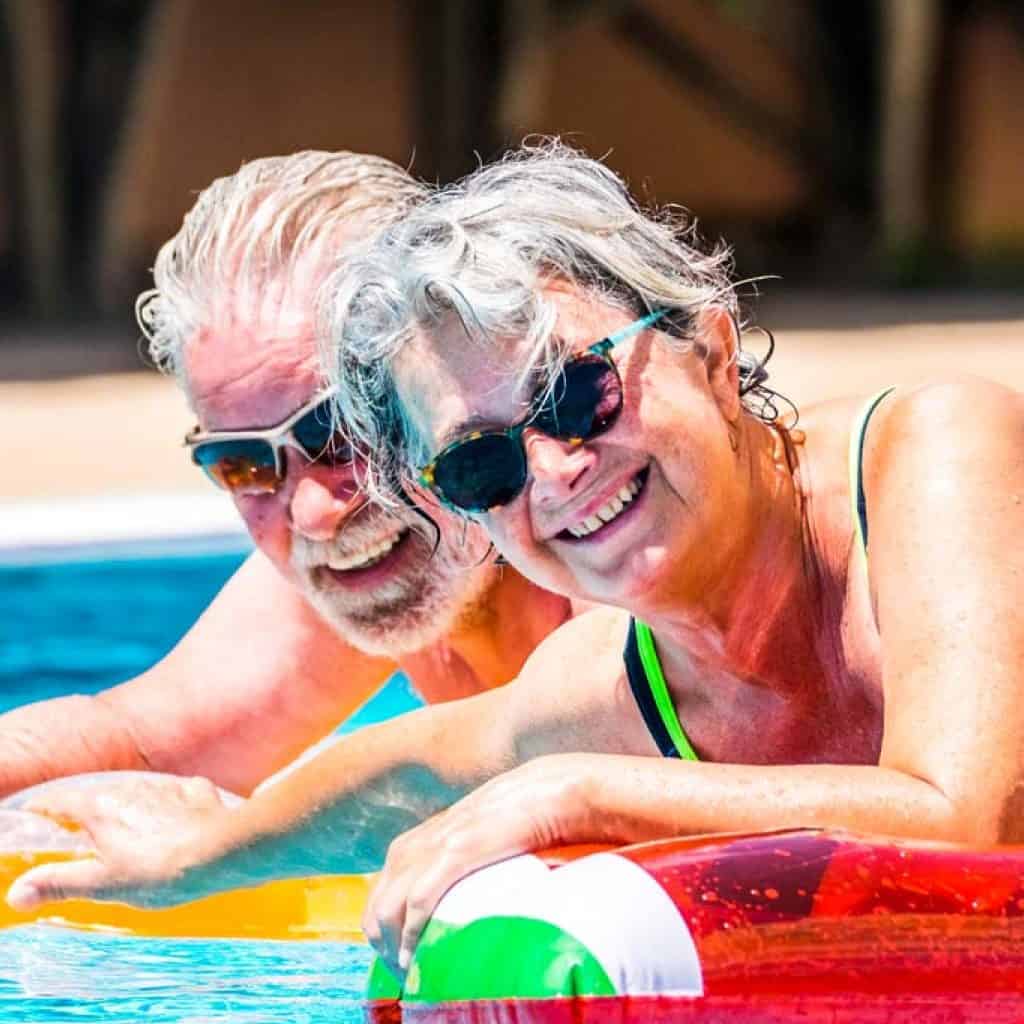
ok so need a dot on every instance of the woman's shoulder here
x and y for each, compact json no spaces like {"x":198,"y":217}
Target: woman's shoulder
{"x":584,"y":655}
{"x":569,"y":694}
{"x":907,"y":439}
{"x":879,"y":426}
{"x":951,"y":403}
{"x":591,"y":638}
{"x":944,"y":419}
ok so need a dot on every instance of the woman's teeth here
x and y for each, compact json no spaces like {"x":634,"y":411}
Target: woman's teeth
{"x":607,"y":512}
{"x":368,"y":556}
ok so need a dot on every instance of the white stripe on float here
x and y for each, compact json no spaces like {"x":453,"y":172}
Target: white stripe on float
{"x":609,"y":904}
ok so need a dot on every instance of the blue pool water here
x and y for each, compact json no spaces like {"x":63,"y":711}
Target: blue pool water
{"x":48,"y":975}
{"x":77,"y":628}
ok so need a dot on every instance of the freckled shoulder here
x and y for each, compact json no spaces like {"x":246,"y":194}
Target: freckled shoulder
{"x":952,"y":427}
{"x":587,"y":641}
{"x":569,"y":692}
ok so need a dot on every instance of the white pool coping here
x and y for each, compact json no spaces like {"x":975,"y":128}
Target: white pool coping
{"x":137,"y":525}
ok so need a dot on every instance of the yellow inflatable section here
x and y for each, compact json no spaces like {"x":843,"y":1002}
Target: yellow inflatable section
{"x":327,"y":907}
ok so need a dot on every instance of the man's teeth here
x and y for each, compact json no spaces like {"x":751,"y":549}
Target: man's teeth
{"x":361,"y":559}
{"x":607,"y":512}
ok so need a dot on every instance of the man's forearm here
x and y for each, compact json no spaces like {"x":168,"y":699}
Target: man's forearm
{"x":64,"y":736}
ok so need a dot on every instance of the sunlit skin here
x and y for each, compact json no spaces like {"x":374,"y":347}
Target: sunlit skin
{"x":284,"y":646}
{"x":728,"y":595}
{"x":739,"y":556}
{"x":242,"y":377}
{"x":815,"y":691}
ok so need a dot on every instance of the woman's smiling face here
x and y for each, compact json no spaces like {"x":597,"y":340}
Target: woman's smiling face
{"x":624,"y":518}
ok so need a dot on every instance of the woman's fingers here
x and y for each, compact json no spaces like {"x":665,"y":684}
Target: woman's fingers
{"x":48,"y":882}
{"x":71,"y":809}
{"x":135,"y":826}
{"x":384,"y":916}
{"x":424,"y":894}
{"x":148,"y":809}
{"x":421,"y":866}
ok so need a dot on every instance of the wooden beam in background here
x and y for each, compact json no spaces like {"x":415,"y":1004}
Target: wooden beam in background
{"x":35,"y":33}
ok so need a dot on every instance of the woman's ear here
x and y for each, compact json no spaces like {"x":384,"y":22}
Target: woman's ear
{"x":719,"y":333}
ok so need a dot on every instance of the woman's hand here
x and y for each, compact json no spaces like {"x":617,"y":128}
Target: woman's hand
{"x":141,"y":827}
{"x":535,"y":806}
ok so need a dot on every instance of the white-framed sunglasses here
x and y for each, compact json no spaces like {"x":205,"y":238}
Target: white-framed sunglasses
{"x":253,"y":462}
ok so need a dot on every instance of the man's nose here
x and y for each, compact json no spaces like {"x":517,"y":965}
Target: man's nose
{"x":556,"y":466}
{"x":323,"y":498}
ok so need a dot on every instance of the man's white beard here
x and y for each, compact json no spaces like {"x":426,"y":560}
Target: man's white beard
{"x":421,"y":603}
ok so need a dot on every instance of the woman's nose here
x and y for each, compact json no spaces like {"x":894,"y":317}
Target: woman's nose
{"x":556,"y":466}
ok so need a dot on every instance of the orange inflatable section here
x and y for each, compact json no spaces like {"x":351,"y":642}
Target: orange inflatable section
{"x":328,"y":907}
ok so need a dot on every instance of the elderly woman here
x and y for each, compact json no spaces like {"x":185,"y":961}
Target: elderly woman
{"x":537,"y":353}
{"x":566,"y":371}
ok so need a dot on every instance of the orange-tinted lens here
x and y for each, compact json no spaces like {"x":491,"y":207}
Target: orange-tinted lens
{"x":241,"y":467}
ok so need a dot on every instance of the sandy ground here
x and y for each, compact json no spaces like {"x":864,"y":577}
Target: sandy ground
{"x":120,"y":432}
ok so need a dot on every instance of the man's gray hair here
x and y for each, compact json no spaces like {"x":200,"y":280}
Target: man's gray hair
{"x":479,"y":250}
{"x":252,"y":227}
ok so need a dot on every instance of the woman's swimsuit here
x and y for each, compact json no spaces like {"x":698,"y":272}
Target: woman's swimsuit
{"x":643,"y":667}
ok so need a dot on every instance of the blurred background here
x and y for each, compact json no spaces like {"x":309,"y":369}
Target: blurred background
{"x":869,"y":153}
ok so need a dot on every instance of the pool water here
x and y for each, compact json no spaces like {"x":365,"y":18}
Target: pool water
{"x":50,"y":975}
{"x":79,"y":627}
{"x":82,"y":626}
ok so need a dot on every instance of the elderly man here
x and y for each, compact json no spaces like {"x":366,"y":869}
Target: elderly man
{"x":340,"y":593}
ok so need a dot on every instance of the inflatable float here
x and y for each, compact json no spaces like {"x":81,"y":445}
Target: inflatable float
{"x":808,"y":925}
{"x":328,"y":907}
{"x":798,"y":925}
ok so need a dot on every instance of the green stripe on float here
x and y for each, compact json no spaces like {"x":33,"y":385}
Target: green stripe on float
{"x":381,"y":983}
{"x":495,"y":958}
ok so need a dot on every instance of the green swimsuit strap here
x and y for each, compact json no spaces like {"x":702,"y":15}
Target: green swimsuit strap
{"x":659,"y":691}
{"x":645,"y":639}
{"x":856,"y":469}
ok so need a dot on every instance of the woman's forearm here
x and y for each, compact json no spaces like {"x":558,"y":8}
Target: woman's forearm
{"x":256,"y":843}
{"x":338,"y":813}
{"x":636,"y":799}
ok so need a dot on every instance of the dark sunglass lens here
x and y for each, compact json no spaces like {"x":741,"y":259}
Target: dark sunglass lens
{"x":481,"y":473}
{"x":315,"y":434}
{"x":585,"y":400}
{"x":242,"y":467}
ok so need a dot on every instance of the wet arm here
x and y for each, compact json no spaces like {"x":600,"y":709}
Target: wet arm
{"x":340,"y":811}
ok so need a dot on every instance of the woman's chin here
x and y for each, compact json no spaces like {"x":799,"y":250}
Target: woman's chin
{"x":634,"y":583}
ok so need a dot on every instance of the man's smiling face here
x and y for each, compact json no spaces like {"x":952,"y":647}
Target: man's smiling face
{"x":374,"y":577}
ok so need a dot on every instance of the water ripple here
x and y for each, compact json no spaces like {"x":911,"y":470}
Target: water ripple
{"x":49,"y":975}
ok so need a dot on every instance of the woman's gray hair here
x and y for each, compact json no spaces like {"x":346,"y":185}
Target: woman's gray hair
{"x":479,"y":250}
{"x":252,"y":227}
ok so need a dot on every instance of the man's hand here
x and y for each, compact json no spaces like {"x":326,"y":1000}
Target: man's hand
{"x":535,"y":806}
{"x":139,"y":825}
